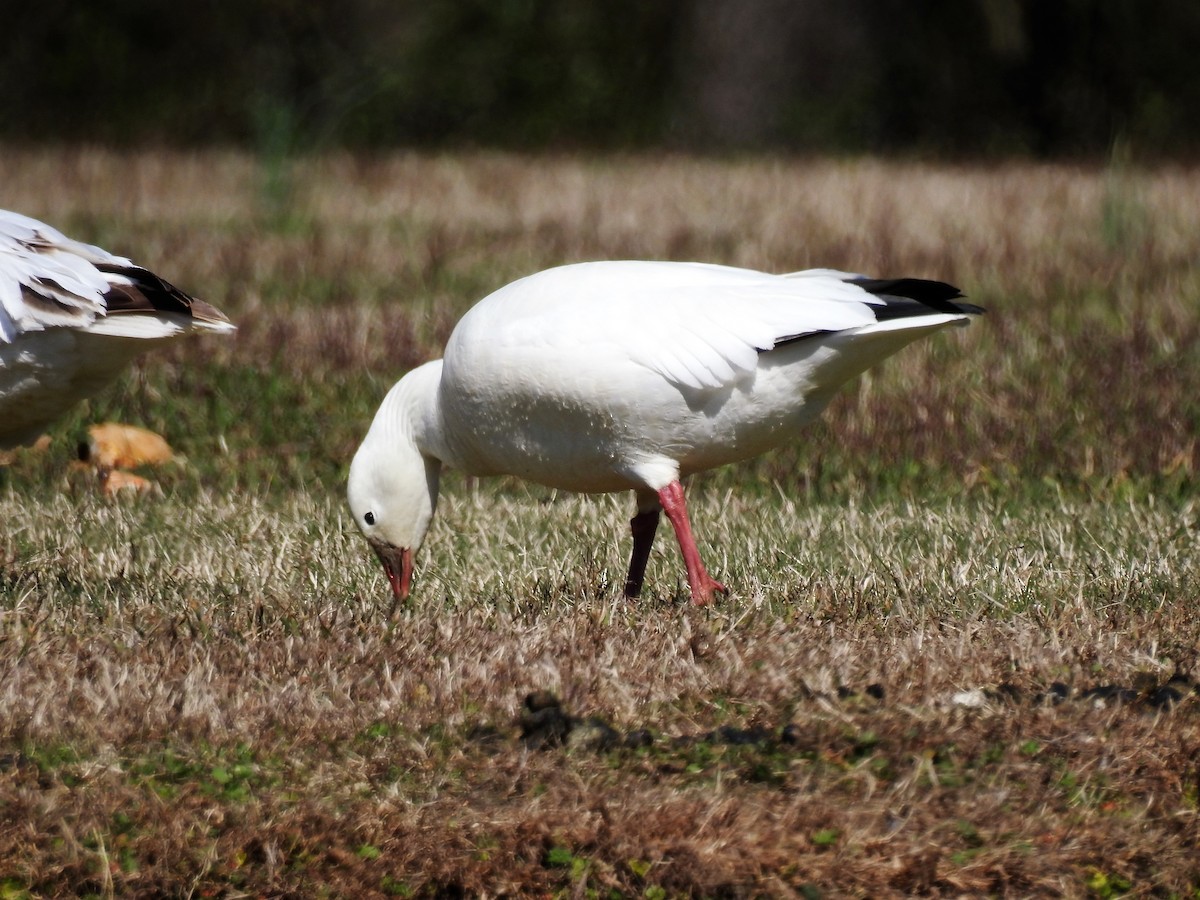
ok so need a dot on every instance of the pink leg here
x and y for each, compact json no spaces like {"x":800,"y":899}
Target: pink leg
{"x":643,"y":526}
{"x":701,"y":583}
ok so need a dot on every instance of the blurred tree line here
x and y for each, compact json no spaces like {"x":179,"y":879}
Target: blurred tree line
{"x":947,"y":77}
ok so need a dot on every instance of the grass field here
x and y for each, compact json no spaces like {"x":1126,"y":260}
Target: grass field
{"x":961,"y":652}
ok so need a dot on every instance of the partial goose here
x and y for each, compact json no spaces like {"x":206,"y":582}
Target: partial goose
{"x":72,"y":317}
{"x":612,"y":376}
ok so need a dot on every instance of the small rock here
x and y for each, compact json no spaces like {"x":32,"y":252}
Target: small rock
{"x":972,"y":699}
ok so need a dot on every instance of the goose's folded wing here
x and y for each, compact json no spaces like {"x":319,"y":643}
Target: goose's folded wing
{"x":711,"y":334}
{"x":48,"y":280}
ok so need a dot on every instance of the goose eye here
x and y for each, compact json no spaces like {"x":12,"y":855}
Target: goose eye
{"x":369,"y":518}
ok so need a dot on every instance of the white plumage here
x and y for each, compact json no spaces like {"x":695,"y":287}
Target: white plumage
{"x":72,"y":316}
{"x":610,"y":376}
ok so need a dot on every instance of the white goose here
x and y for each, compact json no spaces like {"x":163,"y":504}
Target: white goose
{"x":612,"y":376}
{"x":72,"y":317}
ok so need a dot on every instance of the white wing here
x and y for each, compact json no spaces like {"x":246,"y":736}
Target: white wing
{"x":700,"y":326}
{"x":711,"y":335}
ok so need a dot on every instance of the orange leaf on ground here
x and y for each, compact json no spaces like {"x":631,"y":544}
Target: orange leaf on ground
{"x":112,"y":481}
{"x":115,"y":446}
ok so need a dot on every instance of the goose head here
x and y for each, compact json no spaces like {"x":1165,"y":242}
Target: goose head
{"x":393,"y":488}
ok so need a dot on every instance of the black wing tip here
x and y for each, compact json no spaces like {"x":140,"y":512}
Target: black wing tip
{"x":915,"y":296}
{"x":147,"y":294}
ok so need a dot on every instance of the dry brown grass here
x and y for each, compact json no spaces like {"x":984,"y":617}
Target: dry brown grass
{"x":207,"y":693}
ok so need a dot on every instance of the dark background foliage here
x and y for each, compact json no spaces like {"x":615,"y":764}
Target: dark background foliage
{"x":952,"y":78}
